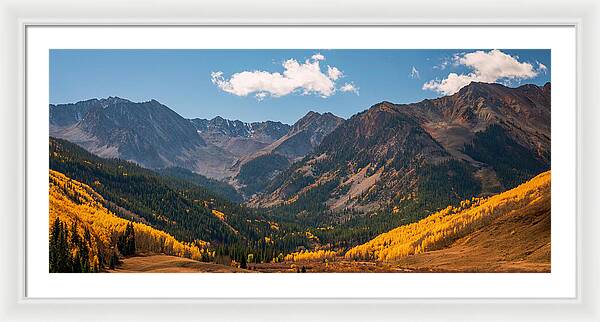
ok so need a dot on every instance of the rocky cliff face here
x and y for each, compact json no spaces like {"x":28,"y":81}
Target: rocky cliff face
{"x":237,"y":137}
{"x":305,"y":135}
{"x":147,"y":133}
{"x":257,"y":169}
{"x":484,"y":139}
{"x":62,"y":115}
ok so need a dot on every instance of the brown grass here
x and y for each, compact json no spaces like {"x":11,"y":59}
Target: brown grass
{"x":170,"y":264}
{"x":516,"y":242}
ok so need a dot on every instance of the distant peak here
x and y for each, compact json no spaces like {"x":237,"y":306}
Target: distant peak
{"x":383,"y":104}
{"x":115,"y":99}
{"x":272,"y":122}
{"x":478,"y":88}
{"x":312,"y":113}
{"x":315,"y":116}
{"x":478,"y":85}
{"x":112,"y":100}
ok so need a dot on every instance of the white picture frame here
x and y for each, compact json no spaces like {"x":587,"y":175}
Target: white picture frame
{"x":15,"y":305}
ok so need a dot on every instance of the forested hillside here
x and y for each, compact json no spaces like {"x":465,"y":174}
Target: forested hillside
{"x":183,"y":210}
{"x":175,"y":205}
{"x":217,"y":187}
{"x":442,"y":228}
{"x":87,"y":237}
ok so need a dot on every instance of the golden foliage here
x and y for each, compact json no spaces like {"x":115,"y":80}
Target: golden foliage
{"x":218,"y":214}
{"x":311,"y":255}
{"x":311,"y":236}
{"x":74,"y":202}
{"x":447,"y":225}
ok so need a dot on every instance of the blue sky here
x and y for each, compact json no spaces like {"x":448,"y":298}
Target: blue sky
{"x":250,"y":85}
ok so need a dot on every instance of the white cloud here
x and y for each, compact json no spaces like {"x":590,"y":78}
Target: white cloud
{"x":414,"y":73}
{"x":451,"y":84}
{"x":486,"y":67}
{"x":333,"y":73}
{"x":306,"y":78}
{"x":318,"y":56}
{"x":349,"y":87}
{"x":542,"y":68}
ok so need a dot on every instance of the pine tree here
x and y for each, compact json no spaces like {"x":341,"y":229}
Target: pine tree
{"x":243,"y":263}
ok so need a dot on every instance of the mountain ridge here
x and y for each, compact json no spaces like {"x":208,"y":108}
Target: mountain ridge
{"x":437,"y":149}
{"x":152,"y":135}
{"x":515,"y":222}
{"x":254,"y":171}
{"x":237,"y":137}
{"x":383,"y":153}
{"x":148,"y":133}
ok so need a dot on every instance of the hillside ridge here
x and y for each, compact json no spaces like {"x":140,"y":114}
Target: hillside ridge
{"x":456,"y":227}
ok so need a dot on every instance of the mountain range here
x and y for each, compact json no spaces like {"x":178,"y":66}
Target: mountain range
{"x":409,"y":187}
{"x":147,"y":133}
{"x":256,"y":170}
{"x":237,"y":137}
{"x":482,"y":140}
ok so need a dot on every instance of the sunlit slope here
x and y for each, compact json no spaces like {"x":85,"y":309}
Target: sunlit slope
{"x":511,"y":226}
{"x":74,"y":202}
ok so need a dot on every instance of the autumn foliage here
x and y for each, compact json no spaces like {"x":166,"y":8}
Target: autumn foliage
{"x":311,"y":255}
{"x":78,"y":217}
{"x":447,"y":225}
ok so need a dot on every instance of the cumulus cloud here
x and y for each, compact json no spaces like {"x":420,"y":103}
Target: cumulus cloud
{"x":318,"y":56}
{"x":414,"y":73}
{"x":305,"y":78}
{"x":451,"y":84}
{"x":486,"y":67}
{"x":349,"y":87}
{"x":333,"y":73}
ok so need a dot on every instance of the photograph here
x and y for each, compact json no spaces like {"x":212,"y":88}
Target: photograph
{"x":309,"y":160}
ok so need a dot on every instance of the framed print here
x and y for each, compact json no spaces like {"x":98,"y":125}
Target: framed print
{"x":302,"y":163}
{"x":297,"y":175}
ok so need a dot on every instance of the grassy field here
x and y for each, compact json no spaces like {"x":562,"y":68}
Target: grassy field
{"x":516,"y":243}
{"x":159,"y":263}
{"x":170,"y":264}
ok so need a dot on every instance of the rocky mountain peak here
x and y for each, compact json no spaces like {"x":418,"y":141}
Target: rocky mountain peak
{"x":112,"y":100}
{"x":389,"y":152}
{"x":314,"y":120}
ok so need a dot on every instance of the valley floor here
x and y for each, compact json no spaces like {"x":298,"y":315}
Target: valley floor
{"x":514,"y":240}
{"x":518,"y":242}
{"x":434,"y":262}
{"x":170,"y":264}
